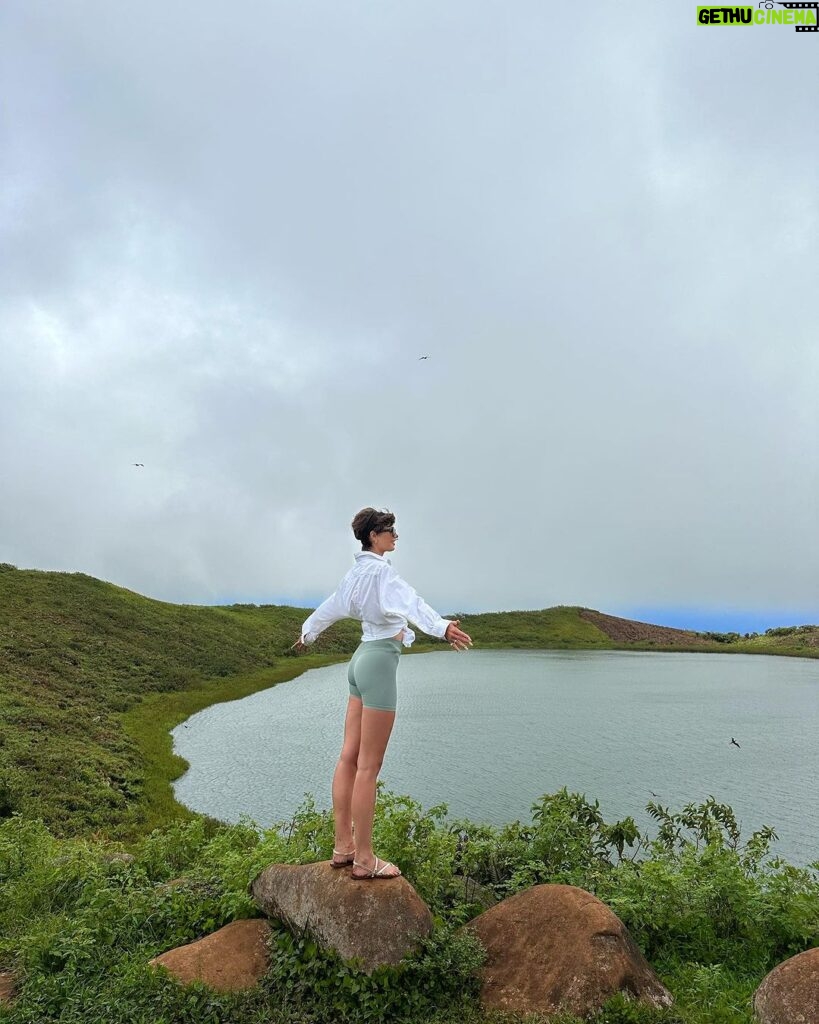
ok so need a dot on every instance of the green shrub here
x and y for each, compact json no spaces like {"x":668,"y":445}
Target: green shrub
{"x":566,"y":842}
{"x":443,"y":971}
{"x":702,"y":894}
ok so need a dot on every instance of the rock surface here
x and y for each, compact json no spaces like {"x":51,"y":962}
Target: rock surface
{"x":229,"y":960}
{"x":557,"y":947}
{"x":376,"y":922}
{"x":8,"y":988}
{"x":790,"y":993}
{"x":118,"y":857}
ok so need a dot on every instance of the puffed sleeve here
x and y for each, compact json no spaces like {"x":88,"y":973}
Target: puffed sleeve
{"x":323,"y":617}
{"x":399,"y":598}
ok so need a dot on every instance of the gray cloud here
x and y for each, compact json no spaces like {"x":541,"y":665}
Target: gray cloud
{"x":233,"y":232}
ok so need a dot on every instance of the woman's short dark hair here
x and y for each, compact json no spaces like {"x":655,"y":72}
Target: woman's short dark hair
{"x":369,"y":519}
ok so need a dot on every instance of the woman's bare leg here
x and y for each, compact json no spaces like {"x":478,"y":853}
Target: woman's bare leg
{"x":344,"y":778}
{"x":376,"y":726}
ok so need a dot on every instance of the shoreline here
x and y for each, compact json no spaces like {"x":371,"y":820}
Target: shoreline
{"x":149,"y":723}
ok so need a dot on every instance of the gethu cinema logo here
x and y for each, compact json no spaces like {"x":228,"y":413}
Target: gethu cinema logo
{"x":803,"y":16}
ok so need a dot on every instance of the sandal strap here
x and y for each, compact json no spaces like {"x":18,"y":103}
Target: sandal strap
{"x":377,"y":872}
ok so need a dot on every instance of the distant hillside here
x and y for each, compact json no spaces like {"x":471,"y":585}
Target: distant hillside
{"x":76,"y":654}
{"x":800,"y":641}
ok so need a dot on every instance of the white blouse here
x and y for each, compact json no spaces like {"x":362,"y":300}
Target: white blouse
{"x":374,"y":593}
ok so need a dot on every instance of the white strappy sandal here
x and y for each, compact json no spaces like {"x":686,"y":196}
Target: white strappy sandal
{"x":377,"y":872}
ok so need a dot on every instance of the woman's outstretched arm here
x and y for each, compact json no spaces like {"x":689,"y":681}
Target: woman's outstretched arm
{"x":323,"y":617}
{"x":398,"y":597}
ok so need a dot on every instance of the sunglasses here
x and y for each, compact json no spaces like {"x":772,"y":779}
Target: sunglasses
{"x":388,"y":529}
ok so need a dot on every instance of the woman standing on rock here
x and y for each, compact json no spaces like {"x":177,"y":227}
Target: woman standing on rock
{"x":374,"y":593}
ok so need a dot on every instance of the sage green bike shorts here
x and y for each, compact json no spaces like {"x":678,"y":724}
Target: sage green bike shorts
{"x":371,"y":673}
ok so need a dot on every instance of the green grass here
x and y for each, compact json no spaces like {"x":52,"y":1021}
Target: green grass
{"x":77,"y":659}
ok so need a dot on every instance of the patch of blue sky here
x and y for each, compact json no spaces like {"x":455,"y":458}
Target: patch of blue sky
{"x":721,"y":620}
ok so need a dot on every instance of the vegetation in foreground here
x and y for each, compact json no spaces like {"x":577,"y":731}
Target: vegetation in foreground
{"x":712,"y":913}
{"x":92,"y":677}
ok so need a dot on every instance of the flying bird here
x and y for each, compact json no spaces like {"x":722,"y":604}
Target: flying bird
{"x":734,"y":742}
{"x":138,"y":464}
{"x":422,"y":357}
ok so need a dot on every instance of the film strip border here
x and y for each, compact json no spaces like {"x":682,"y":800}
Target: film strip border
{"x":801,"y":7}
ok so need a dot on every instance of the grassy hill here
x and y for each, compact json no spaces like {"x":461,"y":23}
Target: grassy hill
{"x":76,"y":653}
{"x":92,"y":677}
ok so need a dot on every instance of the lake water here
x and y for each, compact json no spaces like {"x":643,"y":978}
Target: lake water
{"x":488,"y":732}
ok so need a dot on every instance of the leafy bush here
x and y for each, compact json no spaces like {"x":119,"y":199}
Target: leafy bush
{"x":566,"y":842}
{"x":703,"y":895}
{"x":443,"y":971}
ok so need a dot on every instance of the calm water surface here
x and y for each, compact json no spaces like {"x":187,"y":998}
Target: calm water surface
{"x":488,"y":732}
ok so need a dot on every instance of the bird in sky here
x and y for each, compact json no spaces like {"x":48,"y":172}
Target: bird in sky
{"x":422,"y":357}
{"x":734,"y":742}
{"x":138,"y":464}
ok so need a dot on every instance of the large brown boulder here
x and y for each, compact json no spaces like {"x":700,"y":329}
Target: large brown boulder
{"x":376,"y":922}
{"x":555,"y":948}
{"x":229,"y":960}
{"x":790,"y":993}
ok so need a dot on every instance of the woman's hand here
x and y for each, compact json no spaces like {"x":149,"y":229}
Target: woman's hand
{"x":457,"y":639}
{"x":299,"y":646}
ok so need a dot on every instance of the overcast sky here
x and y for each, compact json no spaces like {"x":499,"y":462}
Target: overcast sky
{"x":229,"y":231}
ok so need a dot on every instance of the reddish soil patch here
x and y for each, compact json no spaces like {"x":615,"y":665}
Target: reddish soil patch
{"x":626,"y":631}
